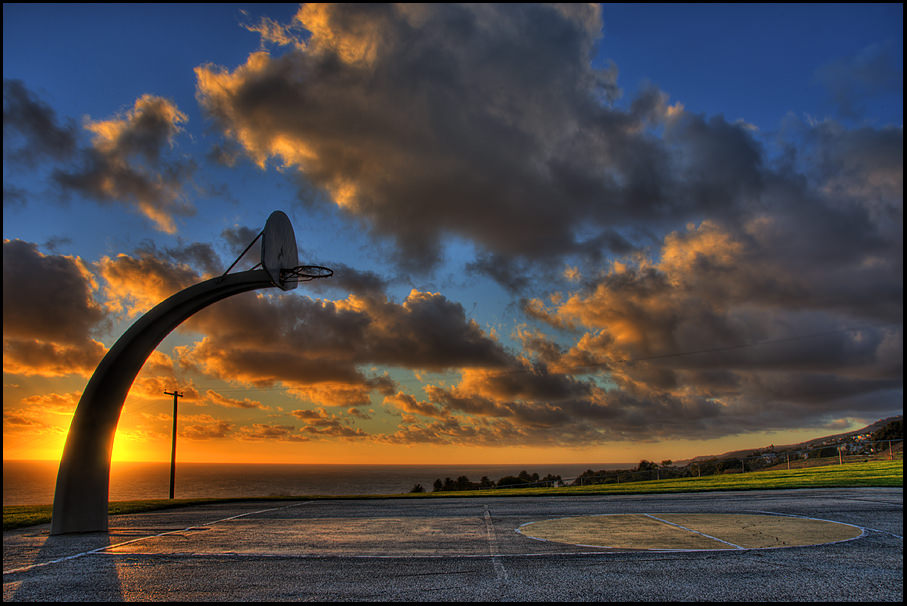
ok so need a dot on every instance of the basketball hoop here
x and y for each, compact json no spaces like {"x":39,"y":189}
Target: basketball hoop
{"x":305,"y":273}
{"x":279,"y":255}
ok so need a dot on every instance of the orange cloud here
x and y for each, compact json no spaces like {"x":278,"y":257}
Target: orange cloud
{"x":126,"y":162}
{"x":408,"y":403}
{"x":136,"y":284}
{"x":222,"y":400}
{"x":320,"y":424}
{"x":205,"y":427}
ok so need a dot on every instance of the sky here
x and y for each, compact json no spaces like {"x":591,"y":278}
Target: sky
{"x":559,"y":233}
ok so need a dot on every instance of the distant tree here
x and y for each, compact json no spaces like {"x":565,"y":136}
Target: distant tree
{"x":512,"y":481}
{"x":463,"y":483}
{"x":726,"y":465}
{"x":486,"y":483}
{"x":892,"y":431}
{"x":417,"y":488}
{"x":828,"y":451}
{"x":645,"y":465}
{"x":438,"y":486}
{"x":528,"y":479}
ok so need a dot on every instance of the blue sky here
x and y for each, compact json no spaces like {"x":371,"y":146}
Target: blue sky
{"x":466,"y":154}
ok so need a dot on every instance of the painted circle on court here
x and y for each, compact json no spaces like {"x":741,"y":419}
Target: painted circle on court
{"x":689,"y":531}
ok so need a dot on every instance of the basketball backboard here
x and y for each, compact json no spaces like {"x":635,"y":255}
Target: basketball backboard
{"x":279,"y":255}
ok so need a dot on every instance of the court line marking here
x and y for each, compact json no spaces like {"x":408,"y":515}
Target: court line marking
{"x":862,"y":528}
{"x":708,"y":536}
{"x":499,"y":570}
{"x":404,"y":556}
{"x":99,"y":550}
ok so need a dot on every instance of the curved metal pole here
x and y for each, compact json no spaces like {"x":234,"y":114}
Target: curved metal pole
{"x":80,"y":499}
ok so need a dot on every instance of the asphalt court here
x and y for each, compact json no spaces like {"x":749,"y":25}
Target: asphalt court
{"x":828,"y":544}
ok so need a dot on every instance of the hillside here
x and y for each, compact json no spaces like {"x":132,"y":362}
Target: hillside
{"x":799,"y":446}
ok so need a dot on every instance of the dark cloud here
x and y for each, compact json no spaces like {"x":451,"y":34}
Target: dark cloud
{"x":35,"y":122}
{"x":199,"y":255}
{"x":226,"y":153}
{"x":511,"y":273}
{"x":301,"y":341}
{"x":352,"y":280}
{"x":432,"y":120}
{"x":50,"y":313}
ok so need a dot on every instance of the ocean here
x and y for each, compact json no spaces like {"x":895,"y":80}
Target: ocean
{"x":32,"y":482}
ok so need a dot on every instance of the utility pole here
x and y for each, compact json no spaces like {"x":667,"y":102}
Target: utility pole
{"x":176,"y":394}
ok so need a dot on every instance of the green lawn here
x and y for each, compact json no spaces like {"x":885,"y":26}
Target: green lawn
{"x":872,"y":473}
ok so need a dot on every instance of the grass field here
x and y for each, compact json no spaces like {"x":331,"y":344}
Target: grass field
{"x":872,"y":473}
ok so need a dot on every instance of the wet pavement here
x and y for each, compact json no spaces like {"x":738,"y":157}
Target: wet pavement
{"x":456,"y":549}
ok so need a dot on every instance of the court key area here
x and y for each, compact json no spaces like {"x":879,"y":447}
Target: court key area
{"x":785,"y":545}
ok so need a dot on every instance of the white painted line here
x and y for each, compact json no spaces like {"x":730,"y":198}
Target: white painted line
{"x":402,"y":556}
{"x":152,"y":536}
{"x":620,"y":550}
{"x":499,"y":570}
{"x":694,"y":531}
{"x":862,"y":528}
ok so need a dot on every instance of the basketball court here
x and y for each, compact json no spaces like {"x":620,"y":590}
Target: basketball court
{"x":810,"y":545}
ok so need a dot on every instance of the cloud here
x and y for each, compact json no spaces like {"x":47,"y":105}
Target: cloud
{"x":50,"y":313}
{"x":35,"y":123}
{"x":275,"y":33}
{"x":318,"y":348}
{"x":135,"y":284}
{"x":126,"y":162}
{"x":303,"y":342}
{"x":38,"y":417}
{"x":713,"y":334}
{"x":680,"y":275}
{"x":320,"y":424}
{"x":720,"y":329}
{"x":265,"y":431}
{"x":205,"y":427}
{"x":407,"y":403}
{"x":430,"y":121}
{"x":222,"y":400}
{"x":850,"y":81}
{"x":336,"y":393}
